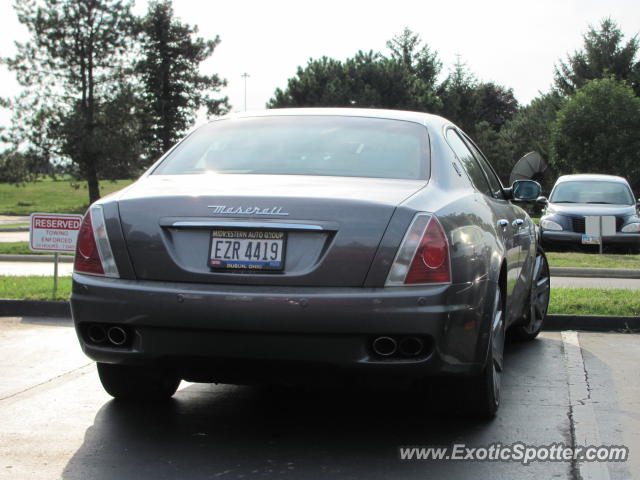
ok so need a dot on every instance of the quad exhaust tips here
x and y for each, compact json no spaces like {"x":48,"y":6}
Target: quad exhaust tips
{"x":96,"y":333}
{"x":385,"y":346}
{"x":117,"y":336}
{"x":403,"y":347}
{"x":106,"y":335}
{"x":410,"y":346}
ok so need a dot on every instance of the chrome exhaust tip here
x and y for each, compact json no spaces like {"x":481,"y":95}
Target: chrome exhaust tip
{"x":384,"y":346}
{"x":411,"y":346}
{"x":96,"y":333}
{"x":117,"y":336}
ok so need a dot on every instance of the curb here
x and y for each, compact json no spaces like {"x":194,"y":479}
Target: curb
{"x":593,"y":272}
{"x":34,"y":308}
{"x":591,"y":323}
{"x":35,"y":258}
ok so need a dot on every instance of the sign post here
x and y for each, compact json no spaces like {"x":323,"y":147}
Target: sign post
{"x":54,"y":233}
{"x":596,"y":227}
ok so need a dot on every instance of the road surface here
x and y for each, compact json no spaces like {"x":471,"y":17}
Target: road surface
{"x":65,"y":269}
{"x":586,"y":282}
{"x":58,"y":423}
{"x":14,"y":236}
{"x":41,"y":269}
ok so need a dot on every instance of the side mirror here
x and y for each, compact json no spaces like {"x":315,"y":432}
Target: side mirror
{"x":542,"y":201}
{"x":525,"y":190}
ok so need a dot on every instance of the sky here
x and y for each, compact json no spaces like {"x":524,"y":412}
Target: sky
{"x":511,"y":42}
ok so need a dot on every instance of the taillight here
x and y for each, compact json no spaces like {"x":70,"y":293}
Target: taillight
{"x":93,"y":250}
{"x":423,"y":256}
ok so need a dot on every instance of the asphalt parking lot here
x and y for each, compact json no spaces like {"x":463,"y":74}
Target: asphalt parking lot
{"x":58,"y":423}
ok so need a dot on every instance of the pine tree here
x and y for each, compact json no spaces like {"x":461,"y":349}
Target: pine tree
{"x":174,"y":88}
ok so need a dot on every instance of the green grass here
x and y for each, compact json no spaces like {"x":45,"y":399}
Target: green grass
{"x":46,"y":195}
{"x":34,"y":288}
{"x":593,"y":260}
{"x":13,"y":225}
{"x":594,"y":301}
{"x":20,"y":248}
{"x":536,"y":220}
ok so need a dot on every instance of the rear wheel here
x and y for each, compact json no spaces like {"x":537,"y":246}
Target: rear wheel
{"x":538,"y":300}
{"x":485,"y":390}
{"x":137,"y":383}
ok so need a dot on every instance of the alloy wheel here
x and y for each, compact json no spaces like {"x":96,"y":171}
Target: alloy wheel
{"x":497,"y":344}
{"x":540,"y":290}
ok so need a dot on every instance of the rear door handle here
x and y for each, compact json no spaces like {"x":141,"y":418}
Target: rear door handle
{"x":517,"y":222}
{"x":503,"y":223}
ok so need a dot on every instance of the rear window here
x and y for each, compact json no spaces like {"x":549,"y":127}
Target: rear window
{"x":304,"y":145}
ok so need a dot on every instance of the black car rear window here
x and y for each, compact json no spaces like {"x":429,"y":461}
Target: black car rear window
{"x":304,"y":145}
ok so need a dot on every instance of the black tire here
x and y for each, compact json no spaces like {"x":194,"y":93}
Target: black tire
{"x":126,"y":382}
{"x":538,"y":301}
{"x":485,"y":390}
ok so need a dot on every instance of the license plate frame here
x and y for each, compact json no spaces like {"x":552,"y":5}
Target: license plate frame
{"x":257,"y":236}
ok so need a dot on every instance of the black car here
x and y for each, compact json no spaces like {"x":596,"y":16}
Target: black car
{"x":588,"y":209}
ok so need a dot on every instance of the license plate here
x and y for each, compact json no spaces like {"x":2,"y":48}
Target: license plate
{"x":590,"y":239}
{"x":247,"y":249}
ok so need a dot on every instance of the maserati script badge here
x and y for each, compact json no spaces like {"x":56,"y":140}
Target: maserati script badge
{"x":224,"y":210}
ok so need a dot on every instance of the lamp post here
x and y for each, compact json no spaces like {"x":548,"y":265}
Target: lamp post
{"x":245,"y":75}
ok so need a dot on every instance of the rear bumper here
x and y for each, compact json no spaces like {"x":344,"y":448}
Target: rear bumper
{"x":221,"y":332}
{"x":566,"y":238}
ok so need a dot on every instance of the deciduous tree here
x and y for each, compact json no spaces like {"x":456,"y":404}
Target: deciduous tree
{"x":596,"y":131}
{"x":71,"y":68}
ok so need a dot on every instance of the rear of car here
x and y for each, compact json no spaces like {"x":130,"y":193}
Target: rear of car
{"x":580,"y":205}
{"x":285,"y":247}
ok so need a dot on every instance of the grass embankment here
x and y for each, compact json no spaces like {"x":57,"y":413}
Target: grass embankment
{"x":13,"y":225}
{"x":595,"y":301}
{"x":34,"y":288}
{"x":47,"y":195}
{"x":21,"y":248}
{"x":593,"y":260}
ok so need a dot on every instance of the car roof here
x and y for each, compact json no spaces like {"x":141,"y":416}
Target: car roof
{"x":591,"y":177}
{"x":408,"y":116}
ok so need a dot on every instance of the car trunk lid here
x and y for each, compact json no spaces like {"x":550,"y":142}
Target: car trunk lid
{"x":333,"y":225}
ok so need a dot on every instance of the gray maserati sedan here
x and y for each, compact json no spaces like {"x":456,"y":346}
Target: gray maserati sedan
{"x":306,"y":245}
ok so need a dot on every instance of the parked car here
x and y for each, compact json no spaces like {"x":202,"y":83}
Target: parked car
{"x":574,"y":198}
{"x":294,"y":245}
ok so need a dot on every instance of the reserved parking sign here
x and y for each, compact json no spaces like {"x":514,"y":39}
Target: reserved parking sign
{"x":53,"y":232}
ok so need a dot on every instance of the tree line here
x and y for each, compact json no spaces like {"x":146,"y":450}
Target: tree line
{"x":587,"y":121}
{"x":105,"y":93}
